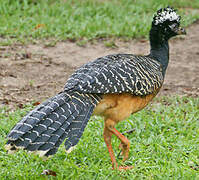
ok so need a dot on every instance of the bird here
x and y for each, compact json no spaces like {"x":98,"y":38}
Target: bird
{"x":113,"y":86}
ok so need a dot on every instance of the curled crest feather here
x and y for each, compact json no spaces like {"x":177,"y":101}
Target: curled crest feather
{"x":166,"y":14}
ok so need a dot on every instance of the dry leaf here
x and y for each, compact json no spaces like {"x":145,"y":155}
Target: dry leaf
{"x":39,"y":26}
{"x":48,"y":172}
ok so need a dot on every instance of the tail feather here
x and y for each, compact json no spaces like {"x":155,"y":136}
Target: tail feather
{"x":74,"y":132}
{"x":76,"y":129}
{"x":62,"y":117}
{"x":63,"y":135}
{"x":35,"y":116}
{"x":50,"y":140}
{"x":32,"y":139}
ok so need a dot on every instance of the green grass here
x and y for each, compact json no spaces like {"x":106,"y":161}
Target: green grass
{"x":87,"y":19}
{"x":166,"y":141}
{"x":164,"y":145}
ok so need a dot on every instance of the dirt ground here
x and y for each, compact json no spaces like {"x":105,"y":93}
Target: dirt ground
{"x":36,"y":72}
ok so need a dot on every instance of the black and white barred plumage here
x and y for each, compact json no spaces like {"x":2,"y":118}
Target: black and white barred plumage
{"x":49,"y":124}
{"x":119,"y":73}
{"x":66,"y":115}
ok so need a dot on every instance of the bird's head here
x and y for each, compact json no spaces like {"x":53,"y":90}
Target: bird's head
{"x":167,"y":23}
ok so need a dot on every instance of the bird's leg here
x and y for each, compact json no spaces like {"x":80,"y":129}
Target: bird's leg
{"x":124,"y":147}
{"x":107,"y":139}
{"x":123,"y":151}
{"x":125,"y":144}
{"x":108,"y":131}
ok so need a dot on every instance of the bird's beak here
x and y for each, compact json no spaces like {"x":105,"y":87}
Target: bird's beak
{"x":181,"y":31}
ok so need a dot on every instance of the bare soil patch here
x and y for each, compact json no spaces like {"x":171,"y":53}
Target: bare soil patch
{"x":35,"y":72}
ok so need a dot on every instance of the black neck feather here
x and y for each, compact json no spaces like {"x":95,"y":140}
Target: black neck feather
{"x":159,"y":47}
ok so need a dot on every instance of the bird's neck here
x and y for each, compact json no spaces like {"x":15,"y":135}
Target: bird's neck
{"x":159,"y":49}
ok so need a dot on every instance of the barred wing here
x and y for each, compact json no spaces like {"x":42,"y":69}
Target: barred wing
{"x":120,"y":73}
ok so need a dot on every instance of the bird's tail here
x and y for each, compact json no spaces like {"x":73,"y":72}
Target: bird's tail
{"x":62,"y":117}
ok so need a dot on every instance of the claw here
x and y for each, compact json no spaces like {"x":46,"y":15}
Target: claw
{"x":124,"y":151}
{"x":125,"y":168}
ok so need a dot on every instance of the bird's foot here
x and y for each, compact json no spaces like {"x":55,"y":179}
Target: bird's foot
{"x":121,"y":168}
{"x":124,"y":151}
{"x":125,"y":168}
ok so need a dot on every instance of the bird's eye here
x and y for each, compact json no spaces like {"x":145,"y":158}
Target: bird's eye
{"x":173,"y":26}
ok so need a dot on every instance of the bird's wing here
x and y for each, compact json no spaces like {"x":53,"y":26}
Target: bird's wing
{"x":120,"y":73}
